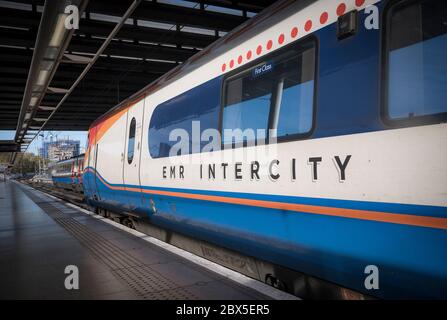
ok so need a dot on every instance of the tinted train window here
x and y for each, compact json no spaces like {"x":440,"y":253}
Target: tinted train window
{"x":131,"y":143}
{"x":200,"y":104}
{"x":417,"y":64}
{"x":277,"y":93}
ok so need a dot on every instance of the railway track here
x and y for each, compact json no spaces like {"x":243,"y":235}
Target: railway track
{"x":66,"y":195}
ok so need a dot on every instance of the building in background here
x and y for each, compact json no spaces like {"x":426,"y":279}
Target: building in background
{"x":60,"y":149}
{"x":43,"y":151}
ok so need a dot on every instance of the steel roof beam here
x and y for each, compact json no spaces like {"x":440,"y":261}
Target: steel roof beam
{"x":52,"y":39}
{"x":89,"y":45}
{"x":98,"y":92}
{"x":27,"y":19}
{"x":115,"y":30}
{"x":171,"y":14}
{"x":142,"y":33}
{"x":162,"y":12}
{"x":253,"y":6}
{"x":76,"y":59}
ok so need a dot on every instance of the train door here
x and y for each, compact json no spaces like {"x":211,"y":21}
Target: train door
{"x":90,"y":184}
{"x":96,"y":175}
{"x":131,"y":170}
{"x":73,"y":172}
{"x":110,"y":146}
{"x":80,"y":170}
{"x":85,"y":174}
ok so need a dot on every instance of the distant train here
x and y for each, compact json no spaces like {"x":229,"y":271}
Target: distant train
{"x":67,"y":174}
{"x":351,"y":185}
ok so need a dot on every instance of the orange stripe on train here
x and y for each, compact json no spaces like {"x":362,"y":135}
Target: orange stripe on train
{"x":397,"y":218}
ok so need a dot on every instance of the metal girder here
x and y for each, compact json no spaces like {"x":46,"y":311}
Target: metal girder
{"x":46,"y":108}
{"x":104,"y":45}
{"x":104,"y":74}
{"x":162,"y":12}
{"x":9,"y":146}
{"x":148,"y":34}
{"x":137,"y":50}
{"x":247,"y":5}
{"x":57,"y":90}
{"x":171,"y":14}
{"x":75,"y":58}
{"x":52,"y":39}
{"x":22,"y":38}
{"x":27,"y":19}
{"x":111,"y":79}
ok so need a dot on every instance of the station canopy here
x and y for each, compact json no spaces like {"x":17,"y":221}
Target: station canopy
{"x":154,"y":38}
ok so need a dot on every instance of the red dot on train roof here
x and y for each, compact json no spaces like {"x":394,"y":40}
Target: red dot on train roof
{"x":308,"y":25}
{"x":249,"y":54}
{"x":224,"y":66}
{"x":231,"y":63}
{"x":269,"y":44}
{"x":259,"y":49}
{"x":341,"y":9}
{"x":323,"y":18}
{"x":359,"y":3}
{"x":239,"y":60}
{"x":281,"y":38}
{"x":294,"y":32}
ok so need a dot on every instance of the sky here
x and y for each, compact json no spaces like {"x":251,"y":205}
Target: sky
{"x":37,"y":143}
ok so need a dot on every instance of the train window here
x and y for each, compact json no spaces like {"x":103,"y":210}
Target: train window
{"x":276,"y":93}
{"x":131,"y":142}
{"x":247,"y":104}
{"x":416,"y":76}
{"x":295,"y":106}
{"x":177,"y":116}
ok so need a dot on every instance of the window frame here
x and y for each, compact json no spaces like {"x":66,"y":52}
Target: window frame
{"x":302,"y":44}
{"x":216,"y":84}
{"x":134,"y":120}
{"x":388,"y":11}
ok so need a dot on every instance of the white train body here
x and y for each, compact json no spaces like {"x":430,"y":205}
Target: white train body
{"x":361,"y":187}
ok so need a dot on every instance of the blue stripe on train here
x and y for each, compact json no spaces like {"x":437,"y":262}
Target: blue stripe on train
{"x":411,"y":259}
{"x":413,"y":209}
{"x":66,"y":180}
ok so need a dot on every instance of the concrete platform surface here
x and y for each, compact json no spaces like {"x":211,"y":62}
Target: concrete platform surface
{"x":40,"y":237}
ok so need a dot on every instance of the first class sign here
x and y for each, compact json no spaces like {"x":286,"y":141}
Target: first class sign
{"x":252,"y":170}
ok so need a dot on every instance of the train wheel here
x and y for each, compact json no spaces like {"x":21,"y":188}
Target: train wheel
{"x":128,"y":223}
{"x":275,"y":282}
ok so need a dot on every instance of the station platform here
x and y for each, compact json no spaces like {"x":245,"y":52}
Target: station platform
{"x":40,"y":236}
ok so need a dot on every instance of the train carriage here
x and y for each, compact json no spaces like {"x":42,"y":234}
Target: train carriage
{"x":313,"y":138}
{"x":67,"y":174}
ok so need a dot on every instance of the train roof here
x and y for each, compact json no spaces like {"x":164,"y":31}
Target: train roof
{"x":71,"y":159}
{"x":256,"y":24}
